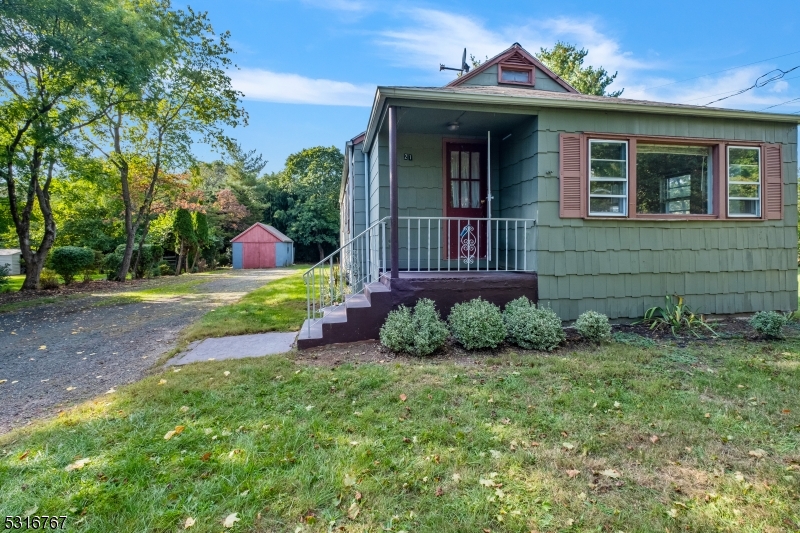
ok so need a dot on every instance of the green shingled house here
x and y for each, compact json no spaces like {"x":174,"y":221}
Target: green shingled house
{"x":507,"y":181}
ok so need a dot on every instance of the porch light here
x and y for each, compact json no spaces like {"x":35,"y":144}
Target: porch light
{"x":453,"y":126}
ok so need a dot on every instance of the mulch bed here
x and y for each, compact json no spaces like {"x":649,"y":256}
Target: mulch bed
{"x":730,"y":327}
{"x":77,"y":287}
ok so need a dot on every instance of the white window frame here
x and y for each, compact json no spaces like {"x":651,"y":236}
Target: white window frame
{"x":728,"y":183}
{"x":625,"y":180}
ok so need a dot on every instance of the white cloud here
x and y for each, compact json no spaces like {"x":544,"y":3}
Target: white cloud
{"x":435,"y":37}
{"x":258,"y":84}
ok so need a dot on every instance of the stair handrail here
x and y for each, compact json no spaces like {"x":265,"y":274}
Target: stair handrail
{"x":345,"y":245}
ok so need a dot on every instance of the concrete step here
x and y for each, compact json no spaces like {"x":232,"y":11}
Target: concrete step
{"x":310,"y":331}
{"x":356,"y":301}
{"x":335,"y":315}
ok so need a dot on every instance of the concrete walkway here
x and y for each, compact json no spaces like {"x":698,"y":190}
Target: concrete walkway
{"x":236,"y":347}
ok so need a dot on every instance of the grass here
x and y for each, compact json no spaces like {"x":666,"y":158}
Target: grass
{"x":619,"y":438}
{"x":165,"y":289}
{"x":278,"y":306}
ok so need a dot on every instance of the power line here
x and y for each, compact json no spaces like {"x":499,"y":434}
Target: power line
{"x":719,"y":71}
{"x":782,"y":103}
{"x":725,"y":92}
{"x":763,"y":80}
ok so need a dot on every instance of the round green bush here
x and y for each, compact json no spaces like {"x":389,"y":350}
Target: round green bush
{"x":769,"y":323}
{"x":48,"y":279}
{"x":477,"y":324}
{"x":418,"y":332}
{"x":531,"y":327}
{"x":594,"y":326}
{"x":70,"y":260}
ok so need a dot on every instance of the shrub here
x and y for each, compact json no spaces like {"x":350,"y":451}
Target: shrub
{"x":676,"y":315}
{"x":477,"y":324}
{"x":594,"y":326}
{"x":418,"y":332}
{"x":769,"y":323}
{"x":5,"y":271}
{"x":70,"y":260}
{"x":48,"y":279}
{"x":151,"y":256}
{"x":531,"y":327}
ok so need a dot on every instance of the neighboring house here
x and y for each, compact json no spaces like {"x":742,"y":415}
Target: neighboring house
{"x":594,"y":203}
{"x":11,"y":257}
{"x":262,"y":246}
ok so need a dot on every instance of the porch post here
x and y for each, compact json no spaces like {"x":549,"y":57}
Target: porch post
{"x":393,"y":211}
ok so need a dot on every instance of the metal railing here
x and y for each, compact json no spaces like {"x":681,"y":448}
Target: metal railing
{"x":425,"y":244}
{"x":345,"y":272}
{"x":437,"y":244}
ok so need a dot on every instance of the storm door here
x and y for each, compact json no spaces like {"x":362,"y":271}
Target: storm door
{"x":465,"y":190}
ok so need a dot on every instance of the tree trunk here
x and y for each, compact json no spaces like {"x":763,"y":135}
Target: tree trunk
{"x":196,"y":255}
{"x":145,"y":230}
{"x":180,"y":259}
{"x":34,"y":261}
{"x":187,"y":260}
{"x":321,"y":251}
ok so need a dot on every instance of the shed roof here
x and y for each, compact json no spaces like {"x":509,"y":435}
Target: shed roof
{"x":10,"y":251}
{"x":266,"y":227}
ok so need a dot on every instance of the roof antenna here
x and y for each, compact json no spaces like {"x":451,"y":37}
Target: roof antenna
{"x":464,"y":66}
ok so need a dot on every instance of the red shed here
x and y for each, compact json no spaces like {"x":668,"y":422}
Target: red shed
{"x":262,"y":246}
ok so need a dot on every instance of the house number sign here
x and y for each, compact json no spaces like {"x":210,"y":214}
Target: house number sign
{"x":407,"y":157}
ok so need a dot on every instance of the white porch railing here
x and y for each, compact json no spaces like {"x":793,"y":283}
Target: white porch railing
{"x":425,"y":244}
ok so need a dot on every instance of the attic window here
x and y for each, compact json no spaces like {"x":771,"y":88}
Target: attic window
{"x":515,"y":74}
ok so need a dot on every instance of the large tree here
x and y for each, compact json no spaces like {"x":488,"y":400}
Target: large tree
{"x":567,"y":61}
{"x":312,"y":178}
{"x":190,"y":97}
{"x":52,"y":53}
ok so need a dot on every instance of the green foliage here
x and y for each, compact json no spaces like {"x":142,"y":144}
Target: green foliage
{"x":769,"y":324}
{"x":5,"y":271}
{"x":312,"y":177}
{"x":184,"y":226}
{"x":677,"y":316}
{"x":201,"y":228}
{"x":70,"y":260}
{"x":567,"y":61}
{"x":418,"y":332}
{"x":48,"y":279}
{"x":532,"y":327}
{"x":594,"y":326}
{"x":151,"y":258}
{"x":477,"y":324}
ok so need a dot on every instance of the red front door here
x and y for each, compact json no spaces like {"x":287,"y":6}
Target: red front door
{"x":465,"y":187}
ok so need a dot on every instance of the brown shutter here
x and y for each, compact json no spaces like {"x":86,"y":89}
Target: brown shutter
{"x":773,"y":182}
{"x":572,"y":189}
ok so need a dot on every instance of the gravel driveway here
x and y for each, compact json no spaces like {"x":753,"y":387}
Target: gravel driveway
{"x":55,"y":355}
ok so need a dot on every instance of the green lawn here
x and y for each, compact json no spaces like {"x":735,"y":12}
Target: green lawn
{"x":15,"y":282}
{"x":278,"y":306}
{"x":705,"y":438}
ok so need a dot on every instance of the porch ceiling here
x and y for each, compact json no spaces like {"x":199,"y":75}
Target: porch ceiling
{"x":471,"y":123}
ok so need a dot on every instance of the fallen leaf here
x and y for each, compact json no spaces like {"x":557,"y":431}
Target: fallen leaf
{"x":403,"y":397}
{"x":77,"y":465}
{"x":176,"y":370}
{"x":349,"y":480}
{"x":758,"y":453}
{"x":162,"y":381}
{"x":534,"y":443}
{"x":487,"y":482}
{"x":707,"y":415}
{"x":244,"y":493}
{"x":226,"y":373}
{"x":42,"y":347}
{"x":179,"y":429}
{"x":456,"y":478}
{"x":573,"y":473}
{"x":613,"y":474}
{"x":439,"y":491}
{"x":673,"y":513}
{"x":205,"y":457}
{"x":112,"y":390}
{"x":24,"y":455}
{"x":654,"y":439}
{"x":70,"y":388}
{"x":169,"y":434}
{"x":353,"y":511}
{"x":568,"y":445}
{"x":230,"y":520}
{"x":30,"y":511}
{"x":617,"y":405}
{"x":184,"y":409}
{"x":358,"y":496}
{"x":189,"y":523}
{"x":3,"y":381}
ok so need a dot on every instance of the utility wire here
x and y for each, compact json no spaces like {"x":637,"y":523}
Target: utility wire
{"x":719,"y":71}
{"x":782,"y":103}
{"x":767,"y":78}
{"x":725,"y":92}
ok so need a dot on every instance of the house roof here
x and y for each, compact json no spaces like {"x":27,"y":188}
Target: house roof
{"x":517,"y":54}
{"x":277,"y":234}
{"x":10,"y":251}
{"x":535,"y":99}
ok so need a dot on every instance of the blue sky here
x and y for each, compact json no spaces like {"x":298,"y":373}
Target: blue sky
{"x":309,"y":68}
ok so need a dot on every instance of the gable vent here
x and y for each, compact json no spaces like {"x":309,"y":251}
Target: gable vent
{"x":517,"y":59}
